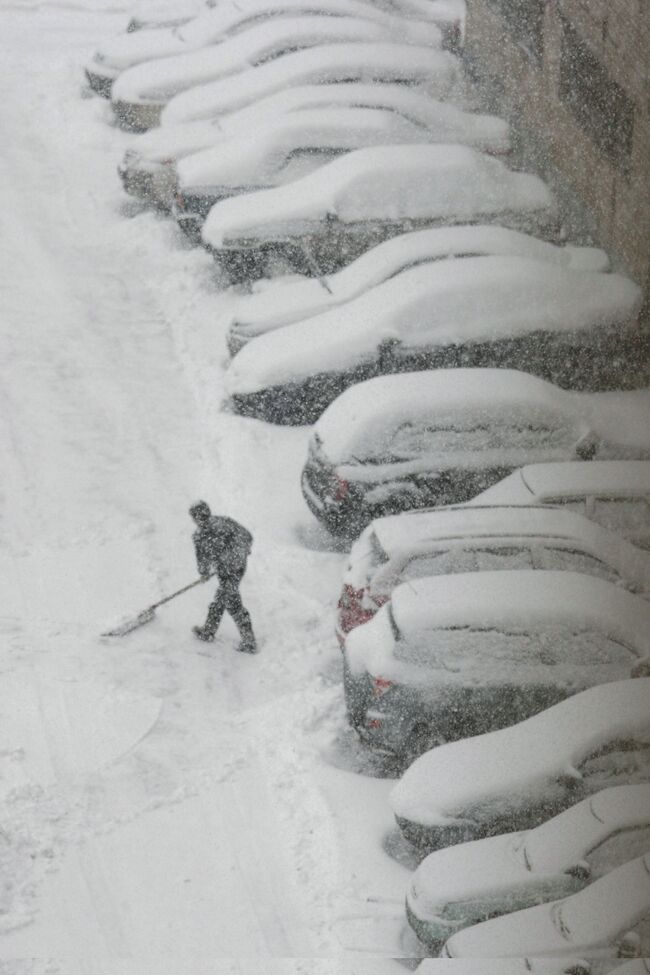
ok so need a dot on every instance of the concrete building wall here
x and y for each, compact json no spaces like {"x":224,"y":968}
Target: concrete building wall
{"x":573,"y":77}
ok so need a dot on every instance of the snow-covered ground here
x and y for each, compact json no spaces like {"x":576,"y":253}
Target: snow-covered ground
{"x":167,"y":806}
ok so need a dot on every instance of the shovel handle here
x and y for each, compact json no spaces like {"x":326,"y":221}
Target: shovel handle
{"x":197,"y":582}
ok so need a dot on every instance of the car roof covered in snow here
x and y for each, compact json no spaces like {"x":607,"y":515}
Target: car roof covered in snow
{"x":468,"y":870}
{"x":163,"y":78}
{"x":439,"y":304}
{"x":505,"y":966}
{"x":524,"y":598}
{"x":446,"y":121}
{"x":438,"y":71}
{"x":366,"y":412}
{"x":605,"y":478}
{"x":515,"y":764}
{"x":418,"y":530}
{"x":446,"y":182}
{"x":593,"y":917}
{"x":284,"y":301}
{"x":258,"y":154}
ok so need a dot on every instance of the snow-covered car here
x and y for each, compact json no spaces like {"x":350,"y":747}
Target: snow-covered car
{"x":608,"y":919}
{"x":213,"y":26}
{"x":148,"y":168}
{"x":471,"y":882}
{"x":399,"y":548}
{"x":354,"y":203}
{"x":437,"y":72}
{"x":520,"y":776}
{"x":614,"y":494}
{"x":510,"y":966}
{"x":454,"y":656}
{"x":418,"y":440}
{"x":154,"y":14}
{"x":577,"y":329}
{"x":281,"y":150}
{"x":285,"y":300}
{"x":139,"y":94}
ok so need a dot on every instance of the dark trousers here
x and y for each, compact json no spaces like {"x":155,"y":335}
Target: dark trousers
{"x":228,"y":599}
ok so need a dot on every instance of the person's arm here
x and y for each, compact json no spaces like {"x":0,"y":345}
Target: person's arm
{"x":202,"y":559}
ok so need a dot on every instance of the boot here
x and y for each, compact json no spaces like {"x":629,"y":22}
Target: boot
{"x":202,"y":633}
{"x":248,"y":644}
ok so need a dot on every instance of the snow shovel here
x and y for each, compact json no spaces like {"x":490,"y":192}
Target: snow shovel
{"x":148,"y":614}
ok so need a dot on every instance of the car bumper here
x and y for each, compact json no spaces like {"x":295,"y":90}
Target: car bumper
{"x":155,"y":186}
{"x":137,"y":117}
{"x":431,"y":934}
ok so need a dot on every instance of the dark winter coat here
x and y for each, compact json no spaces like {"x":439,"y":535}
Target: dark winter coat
{"x":222,"y":546}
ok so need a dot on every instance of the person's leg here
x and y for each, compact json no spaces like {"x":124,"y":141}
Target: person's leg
{"x":242,"y":618}
{"x":215,"y":612}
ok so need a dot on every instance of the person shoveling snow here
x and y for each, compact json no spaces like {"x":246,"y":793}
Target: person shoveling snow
{"x":222,"y":548}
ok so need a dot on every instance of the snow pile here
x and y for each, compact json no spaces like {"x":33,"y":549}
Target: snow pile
{"x":515,"y":766}
{"x":282,"y":301}
{"x":438,"y":183}
{"x":440,"y":73}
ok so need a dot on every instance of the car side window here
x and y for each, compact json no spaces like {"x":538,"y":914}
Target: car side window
{"x":619,"y":848}
{"x":431,"y":564}
{"x":305,"y":160}
{"x":619,"y":762}
{"x":624,"y":515}
{"x":576,"y":503}
{"x":549,"y":557}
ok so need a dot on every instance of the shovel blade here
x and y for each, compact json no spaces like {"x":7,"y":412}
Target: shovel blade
{"x":144,"y":617}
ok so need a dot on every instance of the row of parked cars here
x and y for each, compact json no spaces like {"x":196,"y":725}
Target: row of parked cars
{"x":400,"y":285}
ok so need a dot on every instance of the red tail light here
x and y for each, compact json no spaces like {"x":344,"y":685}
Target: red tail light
{"x":380,"y":686}
{"x":380,"y":600}
{"x":350,"y":597}
{"x":341,"y":490}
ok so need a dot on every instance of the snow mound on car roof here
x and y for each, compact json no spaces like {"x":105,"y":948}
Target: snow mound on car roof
{"x":519,"y":762}
{"x":522,"y":598}
{"x":438,"y":71}
{"x":471,"y":299}
{"x":396,"y":182}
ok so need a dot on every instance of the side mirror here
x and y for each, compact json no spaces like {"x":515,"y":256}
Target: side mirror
{"x":580,"y":870}
{"x":587,"y":446}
